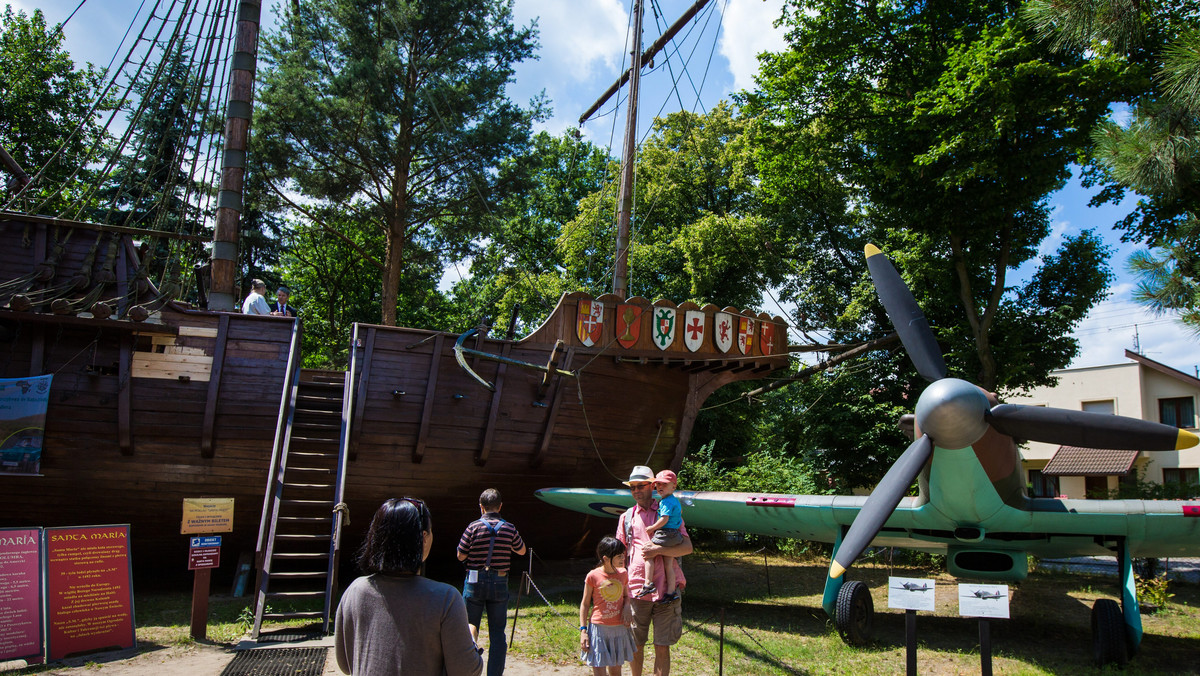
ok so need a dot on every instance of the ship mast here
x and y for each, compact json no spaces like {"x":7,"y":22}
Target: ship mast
{"x":629,"y":153}
{"x":621,"y":267}
{"x":222,"y":294}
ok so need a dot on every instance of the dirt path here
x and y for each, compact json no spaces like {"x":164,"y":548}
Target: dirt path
{"x":210,"y":660}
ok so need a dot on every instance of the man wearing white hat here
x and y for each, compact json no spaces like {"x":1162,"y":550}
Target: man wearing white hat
{"x":666,"y":616}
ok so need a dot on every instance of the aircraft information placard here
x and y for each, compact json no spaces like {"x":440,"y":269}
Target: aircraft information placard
{"x":983,"y":600}
{"x":910,"y":593}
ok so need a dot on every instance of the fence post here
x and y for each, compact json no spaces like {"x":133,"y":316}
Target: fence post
{"x":721,"y":649}
{"x":517,"y":611}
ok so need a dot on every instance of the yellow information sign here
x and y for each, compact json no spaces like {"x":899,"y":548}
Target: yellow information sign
{"x":207,"y":515}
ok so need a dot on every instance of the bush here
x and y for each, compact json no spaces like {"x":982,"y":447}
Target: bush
{"x":1152,"y":591}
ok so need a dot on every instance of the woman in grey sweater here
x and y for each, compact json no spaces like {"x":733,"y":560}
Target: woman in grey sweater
{"x":393,"y":621}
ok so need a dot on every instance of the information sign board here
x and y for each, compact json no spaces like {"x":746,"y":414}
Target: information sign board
{"x":207,"y":515}
{"x":20,"y":594}
{"x":910,"y":593}
{"x":983,"y":600}
{"x":204,"y":557}
{"x":89,"y":590}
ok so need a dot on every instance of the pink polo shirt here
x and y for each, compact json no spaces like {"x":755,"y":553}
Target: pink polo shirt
{"x":635,"y":562}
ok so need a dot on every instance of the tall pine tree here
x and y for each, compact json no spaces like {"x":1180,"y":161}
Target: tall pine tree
{"x":394,"y":111}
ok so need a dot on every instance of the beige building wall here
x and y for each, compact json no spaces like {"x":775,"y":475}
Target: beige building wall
{"x":1130,"y":389}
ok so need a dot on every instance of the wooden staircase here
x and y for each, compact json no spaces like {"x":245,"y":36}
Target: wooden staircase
{"x":299,"y":537}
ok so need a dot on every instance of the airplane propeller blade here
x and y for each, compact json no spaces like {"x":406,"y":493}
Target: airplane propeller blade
{"x":906,"y":316}
{"x":1087,"y":430}
{"x":880,"y":505}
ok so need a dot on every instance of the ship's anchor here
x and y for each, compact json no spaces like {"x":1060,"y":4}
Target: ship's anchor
{"x":551,"y":366}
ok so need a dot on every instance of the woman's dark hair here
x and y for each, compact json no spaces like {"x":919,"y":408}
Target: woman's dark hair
{"x":609,"y":546}
{"x":395,"y":543}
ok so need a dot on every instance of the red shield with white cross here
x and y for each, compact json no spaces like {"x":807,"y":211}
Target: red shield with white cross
{"x":767,"y":337}
{"x":693,"y":329}
{"x":745,"y":335}
{"x":629,"y":324}
{"x":723,"y":330}
{"x":589,"y":321}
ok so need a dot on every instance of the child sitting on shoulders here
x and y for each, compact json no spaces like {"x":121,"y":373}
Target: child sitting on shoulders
{"x":664,"y":533}
{"x":606,"y":640}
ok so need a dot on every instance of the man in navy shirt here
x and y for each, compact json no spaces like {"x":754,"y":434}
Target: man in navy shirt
{"x":487,"y":546}
{"x":280,"y":308}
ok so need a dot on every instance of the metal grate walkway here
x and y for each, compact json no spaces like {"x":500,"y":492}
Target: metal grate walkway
{"x":278,"y":662}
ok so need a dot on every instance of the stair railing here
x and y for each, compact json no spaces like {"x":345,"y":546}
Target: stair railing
{"x":283,"y":433}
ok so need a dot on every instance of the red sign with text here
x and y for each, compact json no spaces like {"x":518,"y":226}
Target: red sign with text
{"x":20,"y":594}
{"x":204,"y":557}
{"x":89,"y":590}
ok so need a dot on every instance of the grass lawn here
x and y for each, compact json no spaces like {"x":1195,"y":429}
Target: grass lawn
{"x":785,"y":631}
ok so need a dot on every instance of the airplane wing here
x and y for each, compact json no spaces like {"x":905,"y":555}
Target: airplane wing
{"x":806,"y":517}
{"x":1046,"y":527}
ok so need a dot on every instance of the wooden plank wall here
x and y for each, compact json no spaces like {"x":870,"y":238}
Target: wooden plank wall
{"x":87,"y":480}
{"x":624,"y":405}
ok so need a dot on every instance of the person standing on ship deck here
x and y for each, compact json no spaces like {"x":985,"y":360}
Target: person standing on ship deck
{"x":281,"y":308}
{"x":255,"y":304}
{"x":486,"y":546}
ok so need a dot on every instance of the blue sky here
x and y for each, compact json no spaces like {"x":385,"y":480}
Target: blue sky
{"x":584,"y":49}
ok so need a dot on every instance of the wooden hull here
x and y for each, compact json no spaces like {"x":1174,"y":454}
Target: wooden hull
{"x":188,"y":404}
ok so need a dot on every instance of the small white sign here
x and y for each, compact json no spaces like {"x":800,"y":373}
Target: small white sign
{"x":983,"y":600}
{"x":910,"y":593}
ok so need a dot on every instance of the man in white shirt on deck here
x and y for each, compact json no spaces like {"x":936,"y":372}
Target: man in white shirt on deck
{"x":255,"y":303}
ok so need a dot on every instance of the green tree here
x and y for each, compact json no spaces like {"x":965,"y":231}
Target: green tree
{"x":46,"y":120}
{"x":520,"y":263}
{"x":1156,"y":154}
{"x":333,"y":281}
{"x":397,"y":111}
{"x":937,"y":132}
{"x":695,"y":233}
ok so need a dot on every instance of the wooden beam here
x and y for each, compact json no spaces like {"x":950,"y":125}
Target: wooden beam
{"x":552,"y":416}
{"x":12,"y":216}
{"x":37,"y":351}
{"x":489,"y":432}
{"x":360,"y":397}
{"x":122,"y":280}
{"x":418,"y":453}
{"x":125,"y":395}
{"x":214,"y":389}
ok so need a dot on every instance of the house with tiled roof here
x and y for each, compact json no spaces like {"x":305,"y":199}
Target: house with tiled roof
{"x":1139,"y":388}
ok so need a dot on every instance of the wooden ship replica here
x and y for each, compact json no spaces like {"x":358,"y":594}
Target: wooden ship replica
{"x":154,"y":401}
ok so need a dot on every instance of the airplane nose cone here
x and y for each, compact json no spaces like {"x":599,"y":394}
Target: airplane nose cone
{"x":951,"y":412}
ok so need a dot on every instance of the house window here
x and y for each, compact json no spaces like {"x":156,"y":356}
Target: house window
{"x":1096,"y":487}
{"x":1103,"y":406}
{"x":1177,"y":411}
{"x":1181,"y":475}
{"x":1042,"y":485}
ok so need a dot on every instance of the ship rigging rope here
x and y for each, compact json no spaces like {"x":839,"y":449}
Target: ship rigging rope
{"x":158,"y":184}
{"x":670,"y":51}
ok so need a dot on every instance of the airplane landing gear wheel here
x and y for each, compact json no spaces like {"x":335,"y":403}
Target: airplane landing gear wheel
{"x":1109,"y":642}
{"x":855,"y":613}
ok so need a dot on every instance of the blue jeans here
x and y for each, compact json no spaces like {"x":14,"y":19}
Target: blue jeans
{"x":490,"y":593}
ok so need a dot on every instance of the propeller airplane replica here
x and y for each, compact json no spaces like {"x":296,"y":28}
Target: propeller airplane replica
{"x":971,"y":506}
{"x":912,"y":587}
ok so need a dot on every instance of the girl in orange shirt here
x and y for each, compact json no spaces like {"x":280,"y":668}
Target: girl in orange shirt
{"x":605,"y":615}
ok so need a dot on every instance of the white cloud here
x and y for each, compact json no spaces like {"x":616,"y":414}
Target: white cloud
{"x":1118,"y":324}
{"x":577,"y":37}
{"x":748,"y":30}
